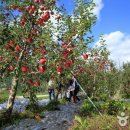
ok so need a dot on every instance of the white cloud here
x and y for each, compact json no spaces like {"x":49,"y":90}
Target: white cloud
{"x":118,"y":43}
{"x":98,"y":8}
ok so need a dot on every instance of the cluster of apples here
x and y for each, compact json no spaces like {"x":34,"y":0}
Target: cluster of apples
{"x":41,"y":68}
{"x":66,"y":60}
{"x":32,"y":83}
{"x":12,"y":45}
{"x":42,"y":61}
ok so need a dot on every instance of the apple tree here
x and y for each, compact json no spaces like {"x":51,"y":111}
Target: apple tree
{"x":38,"y":37}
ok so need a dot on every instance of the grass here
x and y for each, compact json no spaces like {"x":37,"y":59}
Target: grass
{"x":87,"y":119}
{"x":106,"y":122}
{"x":51,"y":106}
{"x":5,"y":94}
{"x":40,"y":97}
{"x":15,"y":117}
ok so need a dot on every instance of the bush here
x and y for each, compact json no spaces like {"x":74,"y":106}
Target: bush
{"x":114,"y":107}
{"x":80,"y":123}
{"x":3,"y":117}
{"x":32,"y":107}
{"x":53,"y":105}
{"x":26,"y":114}
{"x":110,"y":107}
{"x":63,"y":101}
{"x":87,"y":108}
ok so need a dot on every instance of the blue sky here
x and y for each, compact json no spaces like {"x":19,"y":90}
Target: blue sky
{"x":114,"y":22}
{"x":113,"y":16}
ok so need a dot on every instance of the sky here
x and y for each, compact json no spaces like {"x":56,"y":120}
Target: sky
{"x":113,"y":20}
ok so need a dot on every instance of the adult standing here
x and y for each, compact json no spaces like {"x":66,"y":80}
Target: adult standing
{"x":71,"y":91}
{"x":76,"y":90}
{"x":51,"y":89}
{"x":60,"y":86}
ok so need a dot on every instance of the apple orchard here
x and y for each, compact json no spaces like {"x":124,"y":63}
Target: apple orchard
{"x":39,"y":38}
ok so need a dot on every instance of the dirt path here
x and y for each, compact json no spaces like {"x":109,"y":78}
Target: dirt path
{"x":54,"y":120}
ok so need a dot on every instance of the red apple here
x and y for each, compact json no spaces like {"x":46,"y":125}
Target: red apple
{"x":53,"y":77}
{"x":58,"y":17}
{"x":71,"y":61}
{"x":14,"y":7}
{"x":11,"y":43}
{"x":42,"y":2}
{"x":60,"y":69}
{"x":33,"y":7}
{"x":42,"y":8}
{"x":24,"y":20}
{"x":27,"y":8}
{"x":64,"y":44}
{"x":11,"y":68}
{"x":30,"y":82}
{"x":16,"y":57}
{"x":7,"y":46}
{"x":85,"y":56}
{"x":29,"y":40}
{"x":19,"y":9}
{"x":24,"y":68}
{"x":18,"y":48}
{"x":46,"y":16}
{"x":42,"y":69}
{"x":42,"y":61}
{"x":7,"y":14}
{"x":1,"y":58}
{"x":80,"y":70}
{"x":37,"y":83}
{"x":7,"y":8}
{"x":67,"y":65}
{"x":36,"y":1}
{"x":65,"y":54}
{"x":31,"y":11}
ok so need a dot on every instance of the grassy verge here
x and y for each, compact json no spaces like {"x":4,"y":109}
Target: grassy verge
{"x":88,"y":118}
{"x":106,"y":122}
{"x":5,"y":94}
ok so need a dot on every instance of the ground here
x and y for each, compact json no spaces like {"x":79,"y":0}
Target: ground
{"x":54,"y":120}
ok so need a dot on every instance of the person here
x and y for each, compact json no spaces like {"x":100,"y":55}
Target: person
{"x":59,"y":90}
{"x":51,"y":89}
{"x":76,"y":90}
{"x":70,"y":91}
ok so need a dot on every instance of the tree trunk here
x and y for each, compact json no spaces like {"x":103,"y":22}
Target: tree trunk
{"x":14,"y":84}
{"x":31,"y":96}
{"x":12,"y":95}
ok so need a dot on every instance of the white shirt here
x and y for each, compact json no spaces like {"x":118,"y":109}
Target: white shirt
{"x":51,"y":83}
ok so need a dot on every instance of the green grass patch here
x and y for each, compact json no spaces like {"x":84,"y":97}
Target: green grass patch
{"x":106,"y":122}
{"x":4,"y":96}
{"x":15,"y":117}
